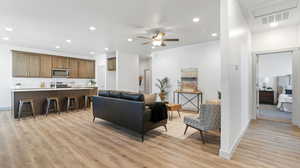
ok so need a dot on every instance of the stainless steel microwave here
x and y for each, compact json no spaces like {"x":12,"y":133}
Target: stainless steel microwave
{"x":60,"y":73}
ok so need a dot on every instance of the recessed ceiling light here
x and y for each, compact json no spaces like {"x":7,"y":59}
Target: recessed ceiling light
{"x":152,"y":47}
{"x":106,"y":49}
{"x":92,"y":53}
{"x":196,"y":19}
{"x":274,"y":24}
{"x":130,"y":39}
{"x":69,"y":41}
{"x":5,"y":38}
{"x":57,"y":47}
{"x":9,"y":29}
{"x":214,"y":34}
{"x":92,"y":28}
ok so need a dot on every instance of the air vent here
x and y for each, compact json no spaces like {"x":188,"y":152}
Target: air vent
{"x":274,"y":7}
{"x":275,"y":18}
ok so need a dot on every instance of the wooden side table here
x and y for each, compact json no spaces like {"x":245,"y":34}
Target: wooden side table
{"x":173,"y":107}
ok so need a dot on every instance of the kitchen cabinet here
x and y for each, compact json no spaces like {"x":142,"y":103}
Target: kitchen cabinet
{"x":19,"y":65}
{"x":46,"y":66}
{"x":60,"y":62}
{"x":86,"y":69}
{"x":25,"y":64}
{"x":73,"y":68}
{"x":33,"y":65}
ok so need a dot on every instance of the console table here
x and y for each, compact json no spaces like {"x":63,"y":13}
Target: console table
{"x":195,"y":95}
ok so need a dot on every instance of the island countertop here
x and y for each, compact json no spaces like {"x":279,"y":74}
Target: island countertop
{"x":50,"y":89}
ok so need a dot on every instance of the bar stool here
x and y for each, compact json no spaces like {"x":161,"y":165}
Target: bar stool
{"x":72,"y":103}
{"x":54,"y":101}
{"x":87,"y":101}
{"x":26,"y":101}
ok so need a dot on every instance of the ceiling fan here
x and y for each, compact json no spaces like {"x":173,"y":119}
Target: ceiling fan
{"x":157,"y":39}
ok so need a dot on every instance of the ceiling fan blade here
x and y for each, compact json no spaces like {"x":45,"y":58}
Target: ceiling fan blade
{"x":143,"y":37}
{"x":148,"y":42}
{"x":170,"y":39}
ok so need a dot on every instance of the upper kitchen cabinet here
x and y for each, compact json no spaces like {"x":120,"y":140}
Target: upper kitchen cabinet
{"x":60,"y":62}
{"x":33,"y":65}
{"x":19,"y":64}
{"x":25,"y":64}
{"x":86,"y":69}
{"x":46,"y":66}
{"x":74,"y":63}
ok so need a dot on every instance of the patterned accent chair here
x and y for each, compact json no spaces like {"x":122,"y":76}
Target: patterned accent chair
{"x":209,"y":119}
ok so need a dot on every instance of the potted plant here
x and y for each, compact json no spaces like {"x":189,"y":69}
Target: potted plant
{"x":163,"y":85}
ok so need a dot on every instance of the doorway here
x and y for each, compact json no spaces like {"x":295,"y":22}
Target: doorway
{"x":274,"y":85}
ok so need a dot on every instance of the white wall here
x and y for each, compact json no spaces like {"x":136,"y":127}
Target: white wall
{"x":205,"y":56}
{"x":127,"y":71}
{"x":8,"y":82}
{"x":235,"y":76}
{"x":276,"y":39}
{"x":277,"y":64}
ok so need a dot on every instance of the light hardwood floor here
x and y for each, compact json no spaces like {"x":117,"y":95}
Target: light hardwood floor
{"x":71,"y":140}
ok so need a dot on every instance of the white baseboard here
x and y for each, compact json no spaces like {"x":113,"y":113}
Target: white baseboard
{"x":5,"y":108}
{"x":228,"y":154}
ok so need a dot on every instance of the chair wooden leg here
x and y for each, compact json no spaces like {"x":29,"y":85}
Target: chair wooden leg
{"x":94,"y":119}
{"x":186,"y":129}
{"x":202,"y":136}
{"x":166,"y":128}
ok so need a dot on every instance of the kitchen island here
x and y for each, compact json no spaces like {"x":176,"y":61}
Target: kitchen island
{"x":40,"y":95}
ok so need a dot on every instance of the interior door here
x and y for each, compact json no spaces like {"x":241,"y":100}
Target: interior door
{"x":147,"y":81}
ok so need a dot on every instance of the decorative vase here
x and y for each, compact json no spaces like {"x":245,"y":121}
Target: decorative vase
{"x":162,"y":96}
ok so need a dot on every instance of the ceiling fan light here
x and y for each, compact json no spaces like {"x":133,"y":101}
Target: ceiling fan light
{"x":156,"y":43}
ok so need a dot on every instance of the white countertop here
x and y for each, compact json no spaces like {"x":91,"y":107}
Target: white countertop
{"x":49,"y":89}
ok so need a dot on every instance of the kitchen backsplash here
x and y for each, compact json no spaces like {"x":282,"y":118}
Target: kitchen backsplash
{"x":36,"y":82}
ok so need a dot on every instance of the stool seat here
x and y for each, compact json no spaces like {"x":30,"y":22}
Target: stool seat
{"x":26,"y":101}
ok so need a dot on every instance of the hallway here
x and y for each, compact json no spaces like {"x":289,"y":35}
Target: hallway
{"x":270,"y":144}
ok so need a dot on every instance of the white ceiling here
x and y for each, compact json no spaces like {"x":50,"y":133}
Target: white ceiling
{"x":45,"y":24}
{"x":255,"y":10}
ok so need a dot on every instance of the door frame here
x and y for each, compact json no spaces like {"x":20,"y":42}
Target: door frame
{"x":296,"y":103}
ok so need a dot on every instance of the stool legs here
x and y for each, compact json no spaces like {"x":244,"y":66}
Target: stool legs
{"x":55,"y":104}
{"x":32,"y":108}
{"x":21,"y":103}
{"x":20,"y":109}
{"x":48,"y":106}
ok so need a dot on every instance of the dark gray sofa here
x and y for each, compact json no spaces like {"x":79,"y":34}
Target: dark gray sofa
{"x":127,"y":110}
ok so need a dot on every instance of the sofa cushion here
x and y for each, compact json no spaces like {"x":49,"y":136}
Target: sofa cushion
{"x":115,"y":94}
{"x":104,"y":93}
{"x":132,"y":96}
